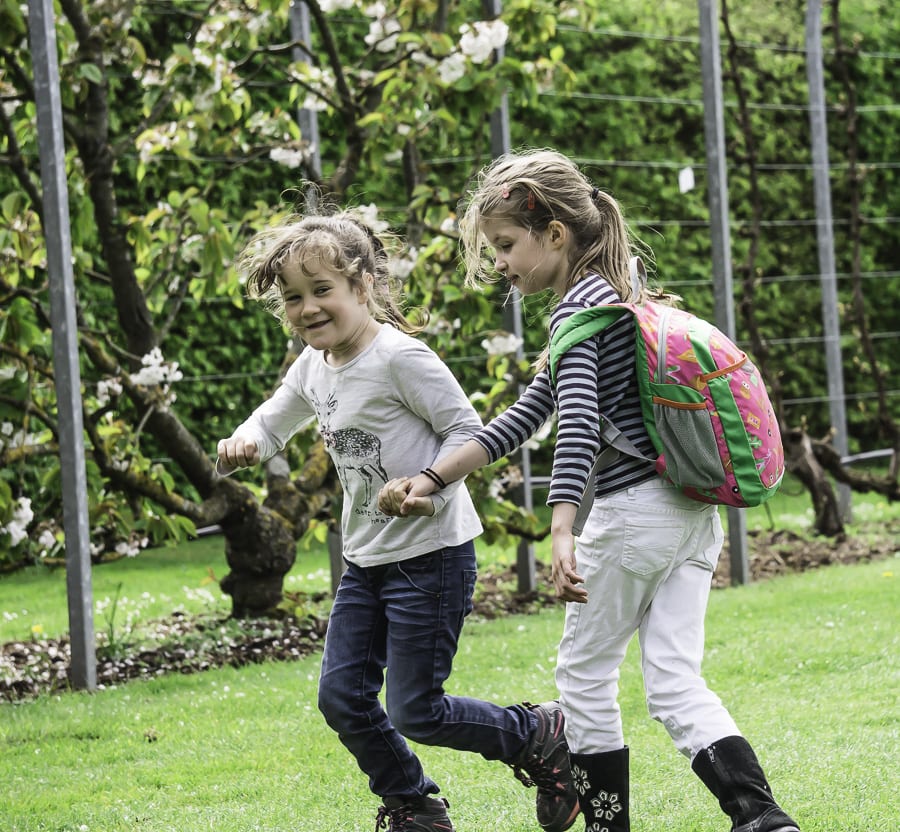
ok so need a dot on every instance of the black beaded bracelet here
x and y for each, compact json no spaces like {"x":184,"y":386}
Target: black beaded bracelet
{"x":434,"y":477}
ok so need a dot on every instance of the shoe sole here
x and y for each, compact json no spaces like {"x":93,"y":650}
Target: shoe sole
{"x":569,"y":822}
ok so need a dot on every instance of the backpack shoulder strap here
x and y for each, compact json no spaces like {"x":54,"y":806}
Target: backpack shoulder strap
{"x":580,"y":326}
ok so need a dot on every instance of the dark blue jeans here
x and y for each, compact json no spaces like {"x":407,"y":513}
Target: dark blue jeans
{"x":406,"y":618}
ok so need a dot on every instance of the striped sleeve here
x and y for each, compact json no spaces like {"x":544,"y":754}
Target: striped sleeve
{"x":520,"y":421}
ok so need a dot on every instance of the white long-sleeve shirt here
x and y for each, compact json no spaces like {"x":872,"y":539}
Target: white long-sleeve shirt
{"x":390,"y":412}
{"x":596,"y":376}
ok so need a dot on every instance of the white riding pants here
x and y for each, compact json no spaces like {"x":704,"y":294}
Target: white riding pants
{"x":647,"y":555}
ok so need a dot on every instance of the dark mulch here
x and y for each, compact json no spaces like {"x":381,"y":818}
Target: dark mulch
{"x":781,"y":552}
{"x":183,"y":644}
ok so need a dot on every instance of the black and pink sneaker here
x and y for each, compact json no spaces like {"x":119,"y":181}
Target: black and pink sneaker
{"x":420,"y":814}
{"x":545,"y":763}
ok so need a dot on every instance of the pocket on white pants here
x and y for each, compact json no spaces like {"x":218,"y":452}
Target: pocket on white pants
{"x":652,"y":546}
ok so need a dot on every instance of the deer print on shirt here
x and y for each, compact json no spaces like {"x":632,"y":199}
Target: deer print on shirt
{"x":352,"y":450}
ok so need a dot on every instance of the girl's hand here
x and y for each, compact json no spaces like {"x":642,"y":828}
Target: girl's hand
{"x":394,"y":499}
{"x":235,"y":453}
{"x":565,"y":578}
{"x":418,"y":489}
{"x":392,"y":495}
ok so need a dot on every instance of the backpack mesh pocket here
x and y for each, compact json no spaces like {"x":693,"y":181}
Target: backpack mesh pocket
{"x":691,"y":449}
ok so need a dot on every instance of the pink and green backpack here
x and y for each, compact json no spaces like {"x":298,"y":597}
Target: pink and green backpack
{"x":704,"y":403}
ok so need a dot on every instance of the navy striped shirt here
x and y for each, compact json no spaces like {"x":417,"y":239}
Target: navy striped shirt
{"x":593,"y":377}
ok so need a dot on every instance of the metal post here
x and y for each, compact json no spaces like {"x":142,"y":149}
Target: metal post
{"x":512,"y":321}
{"x":83,"y":669}
{"x":825,"y":239}
{"x":714,"y":129}
{"x":307,"y":119}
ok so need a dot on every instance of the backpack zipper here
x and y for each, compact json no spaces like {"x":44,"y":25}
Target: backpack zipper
{"x":661,"y":333}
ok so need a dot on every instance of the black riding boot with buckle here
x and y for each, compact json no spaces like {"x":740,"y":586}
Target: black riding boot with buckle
{"x":730,"y":769}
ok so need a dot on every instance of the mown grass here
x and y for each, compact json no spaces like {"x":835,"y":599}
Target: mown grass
{"x":807,"y":664}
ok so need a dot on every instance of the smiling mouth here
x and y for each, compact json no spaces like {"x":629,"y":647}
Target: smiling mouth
{"x":316,"y":325}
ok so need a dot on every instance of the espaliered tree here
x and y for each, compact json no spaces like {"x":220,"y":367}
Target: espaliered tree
{"x":181,"y":136}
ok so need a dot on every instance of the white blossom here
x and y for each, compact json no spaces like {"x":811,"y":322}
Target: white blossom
{"x":503,"y":344}
{"x":46,"y":540}
{"x":314,"y":103}
{"x":17,"y":438}
{"x":287,"y":156}
{"x":329,"y":6}
{"x":156,"y":371}
{"x":452,"y":68}
{"x":401,"y":267}
{"x":17,"y":527}
{"x":23,"y":512}
{"x":422,"y":58}
{"x":496,"y":489}
{"x":368,"y":214}
{"x":479,"y":41}
{"x":126,"y":548}
{"x":107,"y":389}
{"x":383,"y":30}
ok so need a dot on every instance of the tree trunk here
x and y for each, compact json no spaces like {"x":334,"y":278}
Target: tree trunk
{"x":261,"y":540}
{"x":802,"y":463}
{"x":260,"y":548}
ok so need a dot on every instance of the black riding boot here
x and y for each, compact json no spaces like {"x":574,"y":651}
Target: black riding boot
{"x":730,"y":770}
{"x":601,"y":781}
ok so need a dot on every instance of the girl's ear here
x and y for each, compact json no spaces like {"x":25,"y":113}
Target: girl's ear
{"x":557,"y":233}
{"x":364,"y":289}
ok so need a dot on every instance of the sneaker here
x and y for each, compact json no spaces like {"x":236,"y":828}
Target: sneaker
{"x":545,"y":763}
{"x":422,"y":814}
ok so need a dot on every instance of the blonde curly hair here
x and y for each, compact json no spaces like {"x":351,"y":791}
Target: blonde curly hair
{"x":342,"y":242}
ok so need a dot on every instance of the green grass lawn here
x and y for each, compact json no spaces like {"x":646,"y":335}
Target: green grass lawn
{"x":808,"y":665}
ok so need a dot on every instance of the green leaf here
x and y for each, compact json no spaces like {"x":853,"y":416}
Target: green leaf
{"x":91,"y":72}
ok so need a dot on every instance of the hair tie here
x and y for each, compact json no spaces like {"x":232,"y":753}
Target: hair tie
{"x":530,"y":201}
{"x":434,"y":477}
{"x":595,"y":192}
